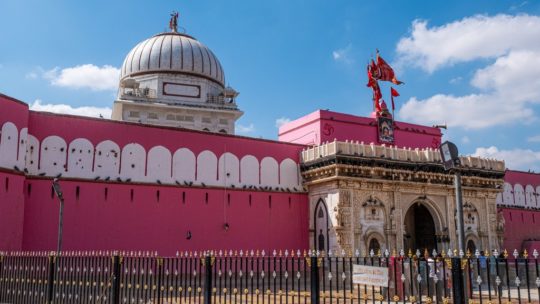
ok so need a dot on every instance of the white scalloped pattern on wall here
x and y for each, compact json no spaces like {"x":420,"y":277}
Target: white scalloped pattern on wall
{"x":8,"y":145}
{"x":108,"y":161}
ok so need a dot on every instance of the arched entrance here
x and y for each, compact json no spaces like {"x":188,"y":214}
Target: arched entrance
{"x":471,"y":246}
{"x":321,"y":226}
{"x":374,"y":245}
{"x":419,"y":229}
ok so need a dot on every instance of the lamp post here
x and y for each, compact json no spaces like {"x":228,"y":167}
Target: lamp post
{"x":58,"y":191}
{"x":450,"y":158}
{"x":451,"y":162}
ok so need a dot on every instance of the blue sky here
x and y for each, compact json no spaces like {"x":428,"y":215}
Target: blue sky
{"x":472,"y":65}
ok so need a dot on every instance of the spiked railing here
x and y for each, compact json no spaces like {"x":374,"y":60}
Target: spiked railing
{"x":253,"y":276}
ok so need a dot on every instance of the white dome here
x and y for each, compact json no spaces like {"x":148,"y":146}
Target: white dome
{"x":172,"y":53}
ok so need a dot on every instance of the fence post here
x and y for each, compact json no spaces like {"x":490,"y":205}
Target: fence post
{"x":315,"y":286}
{"x":458,"y":290}
{"x":160,"y":282}
{"x":50,"y":283}
{"x":117,"y":265}
{"x":207,"y":263}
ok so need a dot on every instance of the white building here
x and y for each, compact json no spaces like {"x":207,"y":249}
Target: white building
{"x":171,"y":79}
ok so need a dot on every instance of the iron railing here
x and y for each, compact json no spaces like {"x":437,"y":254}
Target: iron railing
{"x":266,"y":278}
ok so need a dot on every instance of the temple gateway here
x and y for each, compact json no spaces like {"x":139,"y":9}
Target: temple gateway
{"x":371,"y":197}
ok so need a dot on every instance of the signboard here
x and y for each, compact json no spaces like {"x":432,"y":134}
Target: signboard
{"x":370,"y":275}
{"x":386,"y":130}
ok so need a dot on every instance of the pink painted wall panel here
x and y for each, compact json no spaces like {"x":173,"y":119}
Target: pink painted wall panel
{"x":523,"y":178}
{"x":14,"y":111}
{"x":333,"y":125}
{"x":520,"y":226}
{"x":144,"y":223}
{"x":12,"y":209}
{"x":97,"y":130}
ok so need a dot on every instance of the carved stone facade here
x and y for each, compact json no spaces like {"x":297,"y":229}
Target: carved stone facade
{"x":372,"y":202}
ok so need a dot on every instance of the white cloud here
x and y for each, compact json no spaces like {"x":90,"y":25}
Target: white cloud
{"x":508,"y":86}
{"x":465,"y":139}
{"x":343,"y":54}
{"x":281,"y":121}
{"x":468,"y":39}
{"x":517,"y":159}
{"x":85,"y":76}
{"x":245,"y":129}
{"x":67,"y":109}
{"x":534,"y":138}
{"x":473,"y":111}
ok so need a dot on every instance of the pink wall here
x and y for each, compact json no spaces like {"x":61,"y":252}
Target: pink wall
{"x":522,"y":222}
{"x":13,"y":110}
{"x":520,"y":226}
{"x":523,"y":178}
{"x":144,"y":223}
{"x":12,"y":183}
{"x":12,"y":209}
{"x":322,"y":126}
{"x":96,"y":130}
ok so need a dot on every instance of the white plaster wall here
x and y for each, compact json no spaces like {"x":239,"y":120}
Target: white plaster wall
{"x":207,"y":168}
{"x":499,"y":199}
{"x":159,"y":165}
{"x":519,"y":195}
{"x":269,"y":172}
{"x":23,"y":141}
{"x":184,"y":166}
{"x":133,"y":162}
{"x":530,"y":199}
{"x":508,"y":195}
{"x":229,"y":170}
{"x":8,"y":145}
{"x":53,"y":156}
{"x":538,"y":197}
{"x":32,"y":155}
{"x":80,"y":158}
{"x":107,"y":160}
{"x":249,"y":170}
{"x":288,"y":173}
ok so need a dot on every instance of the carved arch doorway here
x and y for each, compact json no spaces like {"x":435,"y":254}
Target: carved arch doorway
{"x":321,"y":225}
{"x":419,"y":229}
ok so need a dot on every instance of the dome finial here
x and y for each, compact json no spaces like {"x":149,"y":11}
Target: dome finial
{"x":173,"y":22}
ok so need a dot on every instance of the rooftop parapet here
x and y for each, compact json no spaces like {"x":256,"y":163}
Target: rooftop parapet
{"x":427,"y":156}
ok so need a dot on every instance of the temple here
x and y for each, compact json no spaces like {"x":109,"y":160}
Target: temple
{"x":168,"y":173}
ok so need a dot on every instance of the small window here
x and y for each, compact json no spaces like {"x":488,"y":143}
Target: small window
{"x":223,"y":121}
{"x":134,"y":114}
{"x":189,"y":118}
{"x":206,"y":120}
{"x":171,"y":117}
{"x":223,"y":131}
{"x":152,"y":116}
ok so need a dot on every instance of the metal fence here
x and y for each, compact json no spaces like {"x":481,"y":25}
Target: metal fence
{"x":260,"y":277}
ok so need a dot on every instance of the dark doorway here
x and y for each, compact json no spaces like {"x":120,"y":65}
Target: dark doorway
{"x":420,"y":229}
{"x":374,"y":245}
{"x":471,"y":246}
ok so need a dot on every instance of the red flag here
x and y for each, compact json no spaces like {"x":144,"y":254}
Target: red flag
{"x":393,"y":93}
{"x":385,"y":71}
